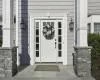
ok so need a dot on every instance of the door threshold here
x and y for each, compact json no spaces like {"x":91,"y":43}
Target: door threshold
{"x":49,"y":63}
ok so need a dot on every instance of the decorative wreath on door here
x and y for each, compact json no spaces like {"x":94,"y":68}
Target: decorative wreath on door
{"x":48,"y":32}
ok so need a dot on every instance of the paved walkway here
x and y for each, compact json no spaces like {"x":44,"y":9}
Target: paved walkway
{"x":65,"y":73}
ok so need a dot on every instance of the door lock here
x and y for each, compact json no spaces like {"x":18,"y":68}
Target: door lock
{"x":55,"y":44}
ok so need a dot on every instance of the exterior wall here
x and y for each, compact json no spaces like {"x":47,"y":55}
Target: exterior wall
{"x":0,"y":7}
{"x":43,"y":6}
{"x":94,"y":7}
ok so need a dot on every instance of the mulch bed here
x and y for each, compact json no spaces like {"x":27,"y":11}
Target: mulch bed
{"x":96,"y":73}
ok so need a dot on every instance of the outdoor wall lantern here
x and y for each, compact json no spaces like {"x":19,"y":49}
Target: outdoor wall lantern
{"x":22,"y":25}
{"x":71,"y":25}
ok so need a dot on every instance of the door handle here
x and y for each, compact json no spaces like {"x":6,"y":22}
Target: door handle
{"x":55,"y":43}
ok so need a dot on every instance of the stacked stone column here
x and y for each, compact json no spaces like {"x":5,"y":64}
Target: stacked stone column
{"x":8,"y":64}
{"x":82,"y":61}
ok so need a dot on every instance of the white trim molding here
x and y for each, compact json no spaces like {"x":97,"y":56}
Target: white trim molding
{"x":40,"y":16}
{"x":17,"y":25}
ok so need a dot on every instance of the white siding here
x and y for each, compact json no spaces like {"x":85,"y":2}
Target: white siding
{"x":43,"y":6}
{"x":94,"y":7}
{"x":0,"y":7}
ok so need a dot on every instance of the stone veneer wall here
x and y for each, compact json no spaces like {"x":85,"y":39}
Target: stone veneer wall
{"x":82,"y":61}
{"x":8,"y":60}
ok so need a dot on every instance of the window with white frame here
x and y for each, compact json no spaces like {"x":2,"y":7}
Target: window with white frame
{"x":97,"y":28}
{"x":89,"y":28}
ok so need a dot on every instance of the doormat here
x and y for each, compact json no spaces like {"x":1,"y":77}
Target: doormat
{"x":47,"y":68}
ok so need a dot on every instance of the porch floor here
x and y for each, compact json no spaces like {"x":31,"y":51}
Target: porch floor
{"x":65,"y":73}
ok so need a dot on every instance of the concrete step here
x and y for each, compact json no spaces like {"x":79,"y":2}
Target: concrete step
{"x":46,"y":78}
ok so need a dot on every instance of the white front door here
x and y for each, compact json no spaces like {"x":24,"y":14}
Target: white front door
{"x":48,"y":40}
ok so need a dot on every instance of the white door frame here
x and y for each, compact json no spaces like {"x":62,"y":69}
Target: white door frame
{"x":58,"y":59}
{"x":57,"y":16}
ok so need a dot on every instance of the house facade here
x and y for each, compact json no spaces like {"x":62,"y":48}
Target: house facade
{"x":41,"y":30}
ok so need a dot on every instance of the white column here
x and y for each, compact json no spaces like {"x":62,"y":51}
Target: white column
{"x":17,"y":25}
{"x":82,"y":8}
{"x":7,"y":13}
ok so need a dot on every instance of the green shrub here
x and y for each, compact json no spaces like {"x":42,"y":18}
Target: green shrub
{"x":0,"y":41}
{"x":94,"y":41}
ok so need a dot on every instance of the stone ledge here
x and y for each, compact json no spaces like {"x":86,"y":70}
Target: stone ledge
{"x":80,"y":47}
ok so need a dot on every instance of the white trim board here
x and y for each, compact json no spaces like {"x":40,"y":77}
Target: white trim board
{"x":17,"y":23}
{"x":40,"y":16}
{"x":94,"y":18}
